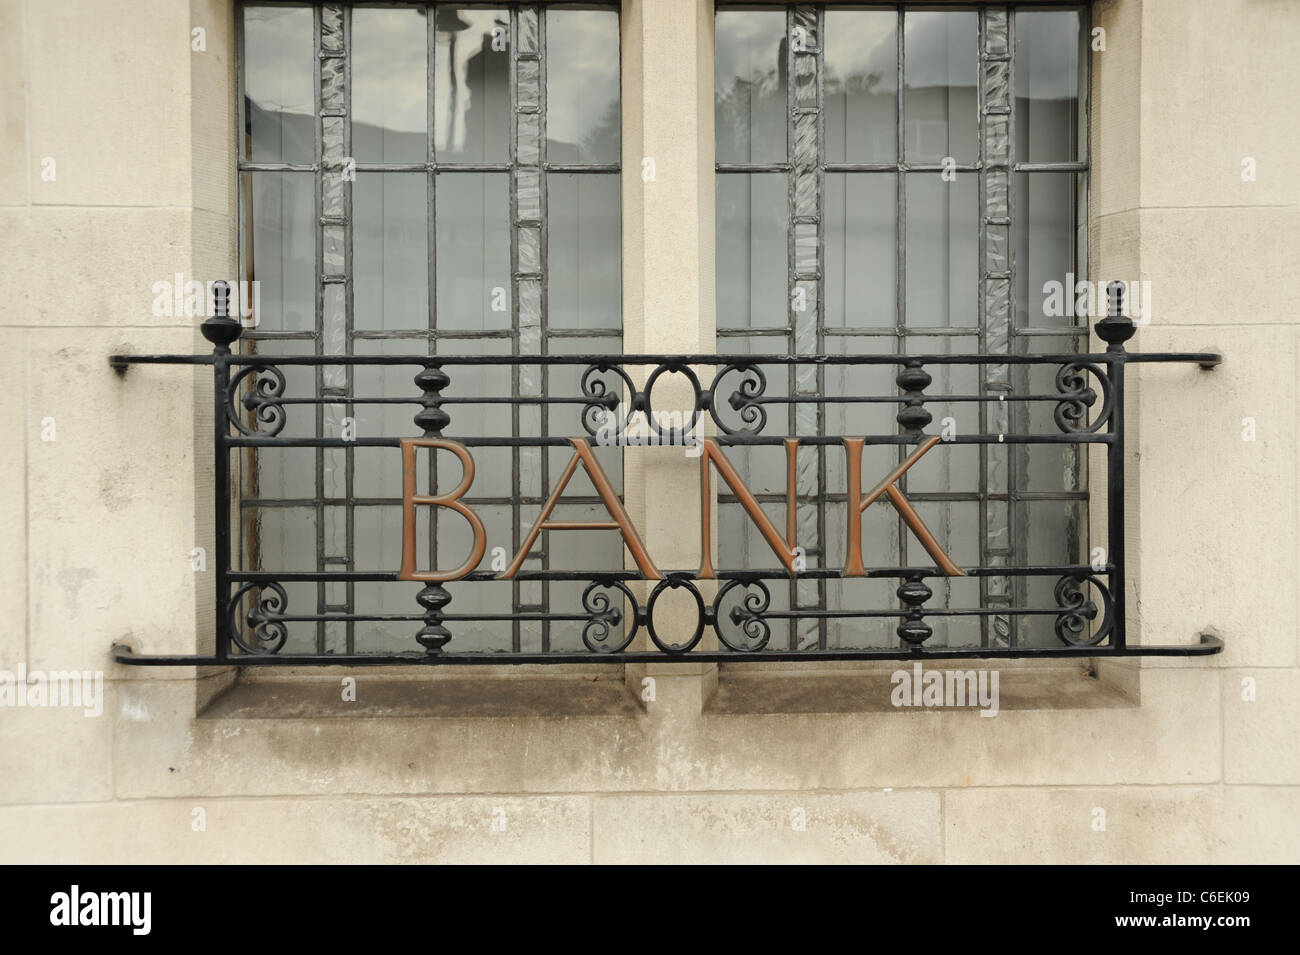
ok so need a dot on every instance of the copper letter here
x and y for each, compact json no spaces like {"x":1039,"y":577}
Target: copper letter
{"x":857,"y":504}
{"x":450,"y":499}
{"x":621,"y":522}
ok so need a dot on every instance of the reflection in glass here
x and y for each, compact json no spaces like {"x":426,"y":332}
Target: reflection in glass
{"x":583,"y":251}
{"x":942,"y":248}
{"x":389,"y":99}
{"x":861,"y":96}
{"x":1046,"y":227}
{"x":390,"y":251}
{"x":861,"y":249}
{"x":278,"y":77}
{"x":471,"y":89}
{"x":582,"y":86}
{"x":472,"y":218}
{"x":1047,"y":85}
{"x":282,"y":249}
{"x":939,"y":73}
{"x":750,"y":76}
{"x":751,"y":266}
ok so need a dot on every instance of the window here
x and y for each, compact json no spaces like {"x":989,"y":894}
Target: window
{"x":430,"y":179}
{"x":903,"y":180}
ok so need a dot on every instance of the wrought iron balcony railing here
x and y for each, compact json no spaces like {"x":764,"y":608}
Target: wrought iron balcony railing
{"x":731,"y":402}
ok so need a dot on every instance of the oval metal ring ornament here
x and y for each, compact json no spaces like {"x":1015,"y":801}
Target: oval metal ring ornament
{"x":674,"y":583}
{"x":651,"y":421}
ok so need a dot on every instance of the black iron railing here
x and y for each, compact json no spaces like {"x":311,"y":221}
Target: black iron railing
{"x":731,"y":399}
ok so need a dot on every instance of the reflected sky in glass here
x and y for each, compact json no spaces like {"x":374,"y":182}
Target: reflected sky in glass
{"x":582,"y":86}
{"x":278,"y":78}
{"x":389,"y":78}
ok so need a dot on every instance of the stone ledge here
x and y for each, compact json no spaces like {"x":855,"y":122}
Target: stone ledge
{"x":757,"y":689}
{"x":387,"y":697}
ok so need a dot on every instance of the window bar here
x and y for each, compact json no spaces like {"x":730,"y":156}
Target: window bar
{"x":528,"y":250}
{"x":995,"y":146}
{"x":803,"y":89}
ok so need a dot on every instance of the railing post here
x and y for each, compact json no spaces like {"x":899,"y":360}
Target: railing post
{"x":221,"y":330}
{"x":433,"y":597}
{"x":1115,"y":329}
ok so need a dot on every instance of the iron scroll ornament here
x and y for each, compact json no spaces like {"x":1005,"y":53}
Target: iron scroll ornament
{"x":264,"y":399}
{"x":265,"y":618}
{"x":1078,"y":612}
{"x":1071,"y":412}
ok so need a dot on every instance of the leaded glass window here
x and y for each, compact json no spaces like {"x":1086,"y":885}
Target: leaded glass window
{"x":429,"y":179}
{"x":906,"y":180}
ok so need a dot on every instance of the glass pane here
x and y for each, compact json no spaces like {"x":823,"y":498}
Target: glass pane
{"x":939,"y":73}
{"x":278,"y":77}
{"x":861,"y":249}
{"x":861,"y":86}
{"x":942,"y":248}
{"x":1047,"y":85}
{"x":752,"y":267}
{"x":389,"y":84}
{"x":583,"y":251}
{"x":1046,"y":226}
{"x":390,"y":251}
{"x":750,"y":75}
{"x":282,"y":250}
{"x":582,"y":86}
{"x":473,"y":254}
{"x":471,"y":91}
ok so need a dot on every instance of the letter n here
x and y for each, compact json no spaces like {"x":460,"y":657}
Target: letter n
{"x":784,"y":549}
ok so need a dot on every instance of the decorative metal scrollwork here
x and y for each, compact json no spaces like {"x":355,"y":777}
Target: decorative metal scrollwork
{"x":263,"y":399}
{"x":605,"y":615}
{"x":675,"y":435}
{"x":1078,"y":612}
{"x":702,"y":615}
{"x":1071,"y":412}
{"x":600,"y":401}
{"x":264,"y":618}
{"x":745,"y":399}
{"x":746,"y":616}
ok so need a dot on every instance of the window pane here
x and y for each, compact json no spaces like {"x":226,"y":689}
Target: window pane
{"x":390,"y":251}
{"x":582,"y":86}
{"x":1046,"y":226}
{"x":282,"y":250}
{"x":472,"y":85}
{"x":752,"y":266}
{"x":583,"y":254}
{"x":939,"y":72}
{"x":1047,"y":85}
{"x":942,"y":247}
{"x":389,"y":83}
{"x":861,"y":86}
{"x":750,"y":86}
{"x":278,"y":77}
{"x":472,"y":218}
{"x":861,"y":249}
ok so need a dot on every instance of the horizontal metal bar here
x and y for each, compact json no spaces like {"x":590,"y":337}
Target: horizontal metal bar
{"x":1060,"y":570}
{"x":723,"y":440}
{"x":1202,"y":358}
{"x":1208,"y":646}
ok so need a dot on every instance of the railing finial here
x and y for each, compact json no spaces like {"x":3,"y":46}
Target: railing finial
{"x":221,"y":329}
{"x":1116,"y":328}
